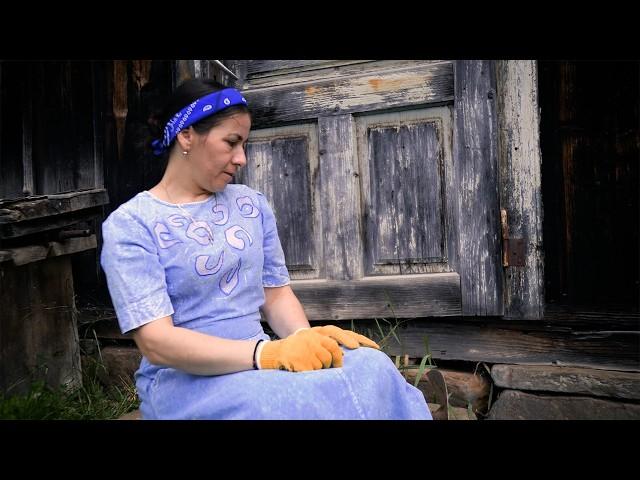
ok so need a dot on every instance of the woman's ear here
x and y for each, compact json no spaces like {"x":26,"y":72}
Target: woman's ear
{"x":184,"y":139}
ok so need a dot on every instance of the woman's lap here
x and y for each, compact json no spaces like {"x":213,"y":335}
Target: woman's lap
{"x":368,"y":386}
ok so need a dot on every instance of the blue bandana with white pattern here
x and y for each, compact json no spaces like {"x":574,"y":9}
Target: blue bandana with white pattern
{"x":196,"y":111}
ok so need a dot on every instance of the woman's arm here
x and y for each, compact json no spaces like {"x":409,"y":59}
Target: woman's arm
{"x":283,"y":311}
{"x":193,"y":352}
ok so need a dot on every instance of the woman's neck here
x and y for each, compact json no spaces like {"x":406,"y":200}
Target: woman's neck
{"x":178,"y":190}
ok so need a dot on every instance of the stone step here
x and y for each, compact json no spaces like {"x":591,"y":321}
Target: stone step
{"x":573,"y":380}
{"x":516,"y":405}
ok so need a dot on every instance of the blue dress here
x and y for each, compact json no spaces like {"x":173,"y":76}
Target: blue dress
{"x":208,"y":273}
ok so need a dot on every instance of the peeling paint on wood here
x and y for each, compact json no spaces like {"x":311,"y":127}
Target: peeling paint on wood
{"x":342,"y":230}
{"x":476,"y":175}
{"x":282,"y":163}
{"x":520,"y":188}
{"x":412,"y":85}
{"x":404,"y":159}
{"x":402,"y":296}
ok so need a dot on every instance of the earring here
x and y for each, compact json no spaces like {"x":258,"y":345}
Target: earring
{"x":185,"y":152}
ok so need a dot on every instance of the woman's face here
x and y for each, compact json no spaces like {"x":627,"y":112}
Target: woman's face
{"x":216,"y":156}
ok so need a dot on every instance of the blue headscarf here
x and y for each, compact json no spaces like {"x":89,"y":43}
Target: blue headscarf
{"x":196,"y":111}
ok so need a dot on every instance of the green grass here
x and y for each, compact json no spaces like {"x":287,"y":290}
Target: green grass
{"x":91,"y":401}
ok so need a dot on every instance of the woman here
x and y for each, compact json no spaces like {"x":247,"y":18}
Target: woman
{"x":189,"y":264}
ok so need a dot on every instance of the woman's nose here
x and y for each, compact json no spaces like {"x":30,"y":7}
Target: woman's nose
{"x":240,"y":158}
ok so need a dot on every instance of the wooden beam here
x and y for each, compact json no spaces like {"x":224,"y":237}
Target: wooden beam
{"x":520,"y":183}
{"x":524,"y":343}
{"x":384,"y":296}
{"x":31,"y":208}
{"x":393,"y":88}
{"x":35,"y":253}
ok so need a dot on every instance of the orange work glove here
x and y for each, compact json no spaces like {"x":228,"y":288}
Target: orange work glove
{"x":307,"y":350}
{"x":345,"y":337}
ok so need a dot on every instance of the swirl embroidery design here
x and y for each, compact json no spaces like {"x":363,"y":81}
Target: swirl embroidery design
{"x":196,"y":226}
{"x":247,"y":208}
{"x":202,"y":264}
{"x":229,"y":280}
{"x":221,"y":209}
{"x":231,"y":235}
{"x":164,"y":236}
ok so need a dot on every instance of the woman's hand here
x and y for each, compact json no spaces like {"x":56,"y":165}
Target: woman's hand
{"x":306,"y":350}
{"x":345,"y":337}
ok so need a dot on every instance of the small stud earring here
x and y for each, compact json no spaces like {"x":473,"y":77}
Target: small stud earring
{"x":185,"y":152}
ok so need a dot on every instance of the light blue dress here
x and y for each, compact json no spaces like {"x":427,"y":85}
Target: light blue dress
{"x":160,"y":262}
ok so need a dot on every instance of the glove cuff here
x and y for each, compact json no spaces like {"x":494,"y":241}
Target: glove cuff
{"x":266,"y":355}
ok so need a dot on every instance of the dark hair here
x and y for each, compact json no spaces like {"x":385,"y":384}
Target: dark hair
{"x":186,"y":93}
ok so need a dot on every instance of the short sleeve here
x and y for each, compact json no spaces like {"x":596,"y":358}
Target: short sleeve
{"x":274,"y":271}
{"x":135,"y":276}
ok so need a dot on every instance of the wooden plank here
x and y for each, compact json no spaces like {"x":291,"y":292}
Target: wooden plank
{"x":98,"y":75}
{"x":476,"y":173}
{"x":27,"y":136}
{"x":40,"y":225}
{"x":35,"y":253}
{"x":584,"y":381}
{"x":278,"y":67}
{"x":62,"y":130}
{"x":404,"y":159}
{"x":283,"y":165}
{"x":324,"y":72}
{"x":31,"y":208}
{"x":520,"y":183}
{"x":594,"y":317}
{"x":11,"y":136}
{"x":383,"y":296}
{"x":340,"y":198}
{"x":524,"y":343}
{"x":38,"y":332}
{"x":515,"y":405}
{"x":411,"y":86}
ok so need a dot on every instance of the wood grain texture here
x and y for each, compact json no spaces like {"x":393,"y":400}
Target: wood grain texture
{"x":405,"y":164}
{"x":35,"y":253}
{"x":476,"y":174}
{"x":383,"y":296}
{"x":524,"y":343}
{"x":282,"y":163}
{"x":340,"y":199}
{"x":413,"y":85}
{"x":38,"y":332}
{"x":520,"y":183}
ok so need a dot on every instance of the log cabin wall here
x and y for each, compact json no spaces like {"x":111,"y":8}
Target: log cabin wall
{"x":590,"y":146}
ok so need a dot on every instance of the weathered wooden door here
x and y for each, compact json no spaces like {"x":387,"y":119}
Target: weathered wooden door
{"x":383,"y":179}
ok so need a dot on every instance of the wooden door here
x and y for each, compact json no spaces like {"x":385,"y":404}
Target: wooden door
{"x":383,"y":179}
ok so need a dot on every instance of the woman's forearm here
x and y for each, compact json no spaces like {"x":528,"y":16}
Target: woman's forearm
{"x":191,"y":351}
{"x":283,"y":311}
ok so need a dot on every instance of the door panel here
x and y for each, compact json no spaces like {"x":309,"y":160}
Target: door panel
{"x":403,"y":157}
{"x":376,"y":213}
{"x":283,"y":162}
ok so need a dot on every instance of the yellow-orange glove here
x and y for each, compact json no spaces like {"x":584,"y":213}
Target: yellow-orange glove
{"x":306,"y":350}
{"x":345,"y":337}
